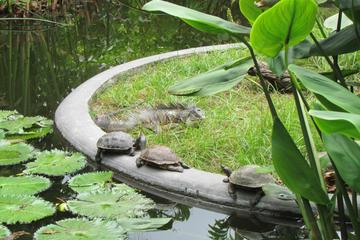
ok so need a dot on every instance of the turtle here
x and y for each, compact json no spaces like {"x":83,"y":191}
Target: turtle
{"x":161,"y":157}
{"x":119,"y":142}
{"x":247,"y":178}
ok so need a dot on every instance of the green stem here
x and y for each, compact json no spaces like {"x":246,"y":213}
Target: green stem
{"x":262,"y":80}
{"x":354,"y":203}
{"x":340,"y":203}
{"x":309,"y":217}
{"x":336,"y":70}
{"x":320,"y":28}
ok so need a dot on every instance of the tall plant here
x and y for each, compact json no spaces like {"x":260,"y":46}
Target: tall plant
{"x":280,"y":31}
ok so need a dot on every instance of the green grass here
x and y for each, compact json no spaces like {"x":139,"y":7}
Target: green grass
{"x":238,"y":123}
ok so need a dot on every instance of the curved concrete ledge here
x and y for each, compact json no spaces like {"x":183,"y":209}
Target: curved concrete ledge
{"x":192,"y":187}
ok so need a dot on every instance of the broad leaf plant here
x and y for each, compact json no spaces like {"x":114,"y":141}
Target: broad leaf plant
{"x":282,"y":32}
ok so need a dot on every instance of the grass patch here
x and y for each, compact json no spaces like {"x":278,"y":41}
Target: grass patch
{"x":238,"y":123}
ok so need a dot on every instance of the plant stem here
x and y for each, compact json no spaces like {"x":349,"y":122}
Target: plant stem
{"x":320,"y":28}
{"x":336,"y":70}
{"x":308,"y":216}
{"x":340,"y":203}
{"x":262,"y":80}
{"x":354,"y":203}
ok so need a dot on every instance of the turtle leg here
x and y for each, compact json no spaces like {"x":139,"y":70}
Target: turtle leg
{"x":175,"y":168}
{"x":232,"y":191}
{"x":226,"y":180}
{"x":183,"y":165}
{"x":256,"y":199}
{"x":139,"y":162}
{"x":98,"y":157}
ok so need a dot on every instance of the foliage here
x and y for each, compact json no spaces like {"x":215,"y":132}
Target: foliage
{"x":56,"y":163}
{"x":89,"y":182}
{"x":23,"y":185}
{"x":297,"y":20}
{"x":11,"y":154}
{"x":23,"y":209}
{"x":121,"y":202}
{"x":17,"y":126}
{"x":79,"y":229}
{"x":142,"y":224}
{"x":4,"y":232}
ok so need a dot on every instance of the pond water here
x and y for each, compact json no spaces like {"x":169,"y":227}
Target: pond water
{"x":40,"y":64}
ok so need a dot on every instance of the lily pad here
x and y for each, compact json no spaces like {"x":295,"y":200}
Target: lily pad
{"x":56,"y":163}
{"x":80,"y":229}
{"x":11,"y":154}
{"x":23,"y":185}
{"x":23,"y":209}
{"x":4,"y":232}
{"x":89,"y":182}
{"x":142,"y":224}
{"x":5,"y":114}
{"x":120,"y":202}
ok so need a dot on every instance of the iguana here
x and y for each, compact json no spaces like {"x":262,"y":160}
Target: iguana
{"x":152,"y":118}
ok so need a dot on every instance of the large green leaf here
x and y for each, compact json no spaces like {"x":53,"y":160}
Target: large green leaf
{"x":11,"y":154}
{"x":346,"y":156}
{"x":287,"y":23}
{"x":142,"y":224}
{"x":337,"y":122}
{"x":4,"y":232}
{"x":90,"y":181}
{"x":121,"y":202}
{"x":80,"y":229}
{"x":292,"y":167}
{"x":249,"y":10}
{"x":23,"y":209}
{"x":23,"y":185}
{"x":220,"y":79}
{"x":344,"y":41}
{"x":56,"y":163}
{"x":201,"y":21}
{"x":327,"y":88}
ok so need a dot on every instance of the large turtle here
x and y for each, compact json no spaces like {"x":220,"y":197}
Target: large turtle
{"x":119,"y":142}
{"x":247,"y":178}
{"x":160,"y":157}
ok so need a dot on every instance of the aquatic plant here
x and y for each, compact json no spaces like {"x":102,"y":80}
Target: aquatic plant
{"x":4,"y":232}
{"x":89,"y":182}
{"x":11,"y":154}
{"x":23,"y":209}
{"x":142,"y":224}
{"x":118,"y":203}
{"x":79,"y":229}
{"x":16,"y":126}
{"x":23,"y":185}
{"x":56,"y":163}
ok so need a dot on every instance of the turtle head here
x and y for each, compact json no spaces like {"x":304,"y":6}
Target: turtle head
{"x":196,"y":113}
{"x":140,"y":142}
{"x":103,"y":121}
{"x":226,"y":170}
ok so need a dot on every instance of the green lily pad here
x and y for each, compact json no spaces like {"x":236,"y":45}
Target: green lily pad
{"x":23,"y":185}
{"x":56,"y":163}
{"x":23,"y":209}
{"x":5,"y":114}
{"x":89,"y":182}
{"x":120,"y":202}
{"x":4,"y":232}
{"x":80,"y":229}
{"x":11,"y":154}
{"x":142,"y":224}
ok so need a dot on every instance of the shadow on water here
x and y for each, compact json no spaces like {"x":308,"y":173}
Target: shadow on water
{"x":41,"y":64}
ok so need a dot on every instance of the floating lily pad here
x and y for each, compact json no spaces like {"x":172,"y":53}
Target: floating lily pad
{"x":5,"y":114}
{"x":4,"y":232}
{"x":121,"y":202}
{"x":23,"y":185}
{"x":80,"y":229}
{"x":56,"y":163}
{"x":23,"y":209}
{"x":11,"y":154}
{"x":142,"y":224}
{"x":90,"y":181}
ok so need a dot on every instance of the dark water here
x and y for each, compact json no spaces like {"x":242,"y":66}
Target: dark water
{"x":40,"y":64}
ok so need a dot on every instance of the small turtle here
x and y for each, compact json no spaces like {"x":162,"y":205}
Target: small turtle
{"x":161,"y":157}
{"x":247,"y":178}
{"x":119,"y":142}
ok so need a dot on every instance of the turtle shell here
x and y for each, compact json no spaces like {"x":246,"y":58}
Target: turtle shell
{"x":159,"y":155}
{"x":248,"y":177}
{"x":115,"y":141}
